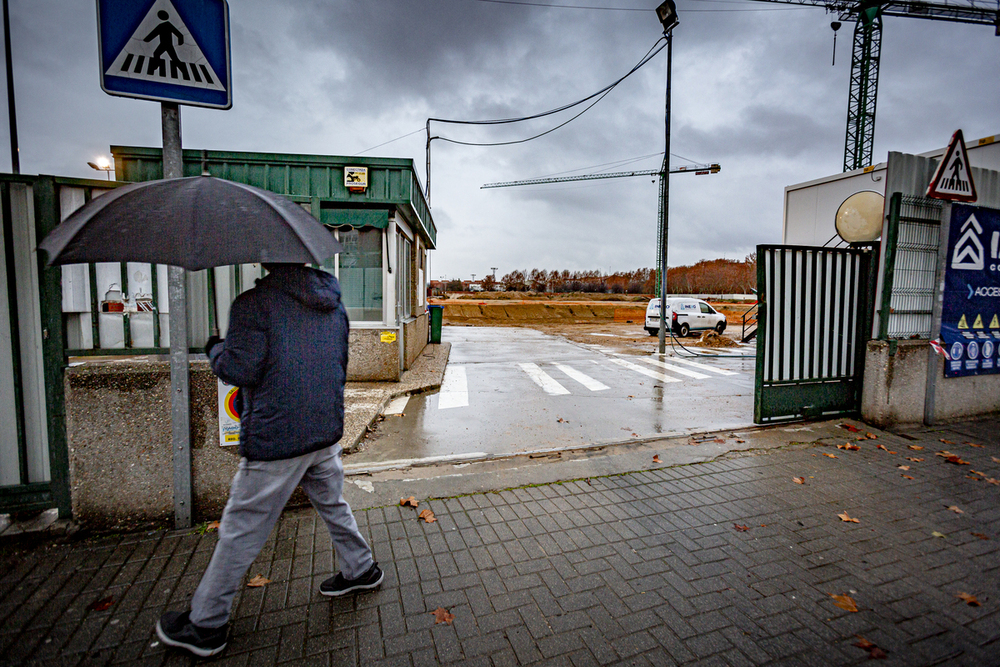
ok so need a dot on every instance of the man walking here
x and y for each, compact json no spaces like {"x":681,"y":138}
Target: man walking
{"x":286,"y":349}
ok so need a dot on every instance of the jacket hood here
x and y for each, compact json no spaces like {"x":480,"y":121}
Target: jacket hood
{"x":312,"y":288}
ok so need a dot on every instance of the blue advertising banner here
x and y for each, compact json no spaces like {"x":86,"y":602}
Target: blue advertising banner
{"x":970,"y":318}
{"x":166,"y":50}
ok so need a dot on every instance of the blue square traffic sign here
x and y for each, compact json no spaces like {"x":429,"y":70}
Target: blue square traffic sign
{"x":166,"y":50}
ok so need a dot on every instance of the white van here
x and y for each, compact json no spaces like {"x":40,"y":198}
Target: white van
{"x":684,"y":315}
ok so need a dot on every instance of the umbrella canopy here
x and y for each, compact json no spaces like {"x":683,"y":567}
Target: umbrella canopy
{"x":196,"y":223}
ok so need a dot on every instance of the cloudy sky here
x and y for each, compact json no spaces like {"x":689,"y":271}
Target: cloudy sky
{"x":753,"y":89}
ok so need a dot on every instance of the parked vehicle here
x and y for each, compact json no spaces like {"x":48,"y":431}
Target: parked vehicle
{"x":684,"y":315}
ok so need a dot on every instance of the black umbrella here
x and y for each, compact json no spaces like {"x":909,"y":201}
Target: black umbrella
{"x":196,"y":223}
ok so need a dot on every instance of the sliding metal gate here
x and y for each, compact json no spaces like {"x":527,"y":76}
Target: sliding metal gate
{"x":814,"y":321}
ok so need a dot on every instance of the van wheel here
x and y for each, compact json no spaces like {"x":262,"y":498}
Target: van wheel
{"x":720,"y":327}
{"x":652,"y":332}
{"x":684,"y":330}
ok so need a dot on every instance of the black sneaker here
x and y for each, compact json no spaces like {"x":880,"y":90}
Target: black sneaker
{"x":175,"y":629}
{"x":336,"y":585}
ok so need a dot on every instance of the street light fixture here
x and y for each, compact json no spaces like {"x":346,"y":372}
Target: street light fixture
{"x":667,"y":14}
{"x":102,"y":164}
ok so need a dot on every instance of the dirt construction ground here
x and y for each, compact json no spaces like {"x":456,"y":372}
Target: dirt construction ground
{"x":612,"y":324}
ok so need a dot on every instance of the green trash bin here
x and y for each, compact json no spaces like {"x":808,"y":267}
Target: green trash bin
{"x":437,"y":313}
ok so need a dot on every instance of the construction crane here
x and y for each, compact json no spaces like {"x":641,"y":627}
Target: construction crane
{"x":698,"y":169}
{"x":867,"y":17}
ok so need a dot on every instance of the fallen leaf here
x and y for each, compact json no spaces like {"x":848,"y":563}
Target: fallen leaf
{"x":635,"y":435}
{"x":852,"y":429}
{"x":954,"y":508}
{"x":976,"y":472}
{"x":903,"y":467}
{"x":947,"y":442}
{"x":408,"y":502}
{"x":656,"y":458}
{"x":741,"y":529}
{"x":884,"y":448}
{"x":907,"y":477}
{"x":799,"y":480}
{"x":832,"y":456}
{"x":914,"y":459}
{"x":874,"y":652}
{"x":845,"y":602}
{"x":845,"y":517}
{"x":995,"y":459}
{"x":850,"y":446}
{"x":978,"y":479}
{"x":560,"y":420}
{"x":937,"y":534}
{"x":258,"y":581}
{"x":442,"y":616}
{"x":427,"y":516}
{"x":995,"y":482}
{"x":952,"y":458}
{"x":969,"y":599}
{"x":721,"y":441}
{"x":102,"y":604}
{"x":871,"y":436}
{"x":741,"y":441}
{"x":972,"y":444}
{"x":980,"y":536}
{"x":915,"y":447}
{"x":212,"y":525}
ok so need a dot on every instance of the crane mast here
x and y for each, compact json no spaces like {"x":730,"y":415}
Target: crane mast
{"x":866,"y":53}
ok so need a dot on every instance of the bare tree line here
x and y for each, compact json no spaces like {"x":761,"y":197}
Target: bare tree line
{"x":716,"y":276}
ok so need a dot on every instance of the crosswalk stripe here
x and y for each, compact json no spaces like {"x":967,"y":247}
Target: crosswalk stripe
{"x":587,"y":381}
{"x":397,"y":405}
{"x":454,"y":389}
{"x":645,"y":371}
{"x":675,"y":369}
{"x":703,"y":367}
{"x":543,"y":379}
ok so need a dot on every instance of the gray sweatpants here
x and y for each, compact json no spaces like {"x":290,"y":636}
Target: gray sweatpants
{"x":258,"y":495}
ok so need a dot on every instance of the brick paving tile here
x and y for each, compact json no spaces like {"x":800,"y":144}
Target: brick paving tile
{"x":643,"y":568}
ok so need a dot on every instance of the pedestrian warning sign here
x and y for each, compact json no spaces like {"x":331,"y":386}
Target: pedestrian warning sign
{"x":166,"y":50}
{"x":953,"y":177}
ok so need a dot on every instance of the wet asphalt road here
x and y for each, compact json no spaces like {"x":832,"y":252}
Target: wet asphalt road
{"x":509,"y":390}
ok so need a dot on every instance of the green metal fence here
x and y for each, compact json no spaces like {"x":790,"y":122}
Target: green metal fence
{"x":911,"y":246}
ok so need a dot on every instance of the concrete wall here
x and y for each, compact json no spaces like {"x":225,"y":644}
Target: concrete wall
{"x":373,"y":356}
{"x":119,"y":435}
{"x":896,"y":382}
{"x":415,"y":339}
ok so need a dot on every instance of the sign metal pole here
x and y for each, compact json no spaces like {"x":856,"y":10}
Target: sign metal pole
{"x":180,"y":395}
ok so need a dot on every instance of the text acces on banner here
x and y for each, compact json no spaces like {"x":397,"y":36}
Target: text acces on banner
{"x":970,"y":317}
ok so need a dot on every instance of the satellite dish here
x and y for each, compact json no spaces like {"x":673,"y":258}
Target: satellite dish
{"x":859,"y":218}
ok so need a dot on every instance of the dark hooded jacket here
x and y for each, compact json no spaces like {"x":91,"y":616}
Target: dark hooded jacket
{"x":286,"y":349}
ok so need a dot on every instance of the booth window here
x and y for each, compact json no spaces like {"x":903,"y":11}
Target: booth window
{"x":360,"y":273}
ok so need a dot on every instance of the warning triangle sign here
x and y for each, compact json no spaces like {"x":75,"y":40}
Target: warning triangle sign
{"x":953,"y":178}
{"x":978,"y":324}
{"x":162,"y":49}
{"x":995,"y":324}
{"x":962,"y":324}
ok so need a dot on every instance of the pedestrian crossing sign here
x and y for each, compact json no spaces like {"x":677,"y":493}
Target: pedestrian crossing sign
{"x":953,"y":179}
{"x":166,"y":50}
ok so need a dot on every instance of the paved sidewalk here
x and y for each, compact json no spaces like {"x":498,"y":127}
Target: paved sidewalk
{"x":724,"y":562}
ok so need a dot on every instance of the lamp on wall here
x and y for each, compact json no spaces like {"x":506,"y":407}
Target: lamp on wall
{"x":102,"y":164}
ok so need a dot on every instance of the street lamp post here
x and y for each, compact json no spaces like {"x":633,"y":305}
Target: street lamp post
{"x":102,"y":164}
{"x":667,"y":15}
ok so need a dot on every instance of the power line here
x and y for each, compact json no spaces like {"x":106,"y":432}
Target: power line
{"x":390,"y":141}
{"x":524,"y":3}
{"x":600,"y":94}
